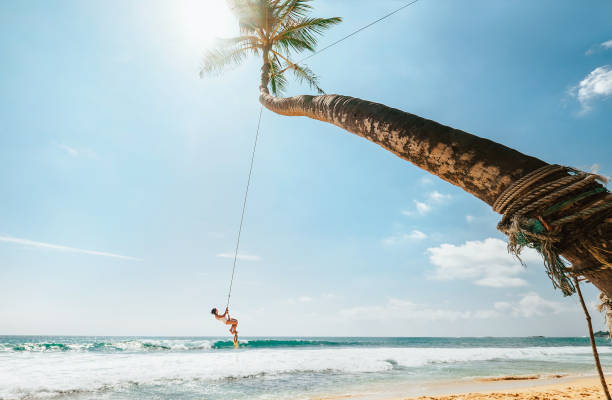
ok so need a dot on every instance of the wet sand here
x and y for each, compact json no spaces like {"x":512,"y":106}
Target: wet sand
{"x":566,"y":388}
{"x":532,"y":387}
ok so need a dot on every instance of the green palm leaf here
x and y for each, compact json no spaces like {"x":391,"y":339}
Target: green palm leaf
{"x":227,"y":52}
{"x":278,"y":81}
{"x":305,"y":74}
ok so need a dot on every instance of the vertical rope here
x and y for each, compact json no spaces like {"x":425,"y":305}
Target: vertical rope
{"x":244,"y":202}
{"x":602,"y":377}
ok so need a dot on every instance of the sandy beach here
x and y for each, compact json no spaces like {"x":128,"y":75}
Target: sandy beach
{"x":550,"y":387}
{"x":565,"y":388}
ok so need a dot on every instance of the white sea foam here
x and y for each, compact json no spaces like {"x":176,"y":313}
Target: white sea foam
{"x":122,"y":345}
{"x":38,"y":375}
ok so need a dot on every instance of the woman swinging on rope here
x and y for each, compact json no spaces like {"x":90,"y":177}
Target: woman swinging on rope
{"x":225,"y":317}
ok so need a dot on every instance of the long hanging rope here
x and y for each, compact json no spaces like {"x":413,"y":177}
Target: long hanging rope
{"x":246,"y":192}
{"x":244,"y":202}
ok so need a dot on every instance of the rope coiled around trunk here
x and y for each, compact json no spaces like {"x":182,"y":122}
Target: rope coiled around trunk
{"x":549,"y":208}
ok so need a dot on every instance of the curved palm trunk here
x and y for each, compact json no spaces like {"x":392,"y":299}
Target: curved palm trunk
{"x":480,"y":166}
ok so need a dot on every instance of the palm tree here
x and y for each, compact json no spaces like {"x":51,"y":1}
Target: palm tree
{"x":275,"y":29}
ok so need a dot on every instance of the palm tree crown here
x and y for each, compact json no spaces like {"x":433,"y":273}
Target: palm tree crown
{"x":276,"y":29}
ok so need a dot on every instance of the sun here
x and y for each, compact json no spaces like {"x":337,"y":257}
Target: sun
{"x":204,"y":20}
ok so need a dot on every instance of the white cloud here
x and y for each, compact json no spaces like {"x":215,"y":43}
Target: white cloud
{"x":530,"y":305}
{"x":607,"y":45}
{"x":596,"y":85}
{"x":304,"y":299}
{"x":469,"y":218}
{"x":74,"y":152}
{"x":50,"y":246}
{"x":417,"y":235}
{"x":404,"y":237}
{"x":421,"y":208}
{"x":485,"y":263}
{"x":424,"y":207}
{"x":70,"y":150}
{"x":244,"y":257}
{"x":527,"y":306}
{"x":436,"y":196}
{"x":426,"y":180}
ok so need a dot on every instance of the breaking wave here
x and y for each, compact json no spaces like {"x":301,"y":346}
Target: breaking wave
{"x":148,"y":345}
{"x":42,"y":370}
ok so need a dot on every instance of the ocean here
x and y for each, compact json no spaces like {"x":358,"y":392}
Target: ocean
{"x":208,"y":368}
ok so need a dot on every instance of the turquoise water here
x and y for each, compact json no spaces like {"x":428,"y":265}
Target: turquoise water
{"x":208,"y":368}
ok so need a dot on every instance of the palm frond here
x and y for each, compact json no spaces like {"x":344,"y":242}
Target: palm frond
{"x":305,"y":74}
{"x":278,"y":81}
{"x":287,"y":11}
{"x":306,"y":29}
{"x":227,"y":52}
{"x":250,"y":14}
{"x":288,"y":44}
{"x":293,"y":9}
{"x":249,"y":40}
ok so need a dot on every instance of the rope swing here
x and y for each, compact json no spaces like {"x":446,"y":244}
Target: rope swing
{"x":225,"y":316}
{"x":246,"y":192}
{"x":244,"y":203}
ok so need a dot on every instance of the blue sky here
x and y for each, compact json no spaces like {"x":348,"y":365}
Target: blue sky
{"x":122,"y":171}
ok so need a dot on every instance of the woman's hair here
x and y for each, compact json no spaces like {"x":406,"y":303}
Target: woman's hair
{"x":213,"y":311}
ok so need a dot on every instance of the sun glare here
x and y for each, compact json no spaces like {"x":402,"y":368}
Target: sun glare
{"x":204,"y":20}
